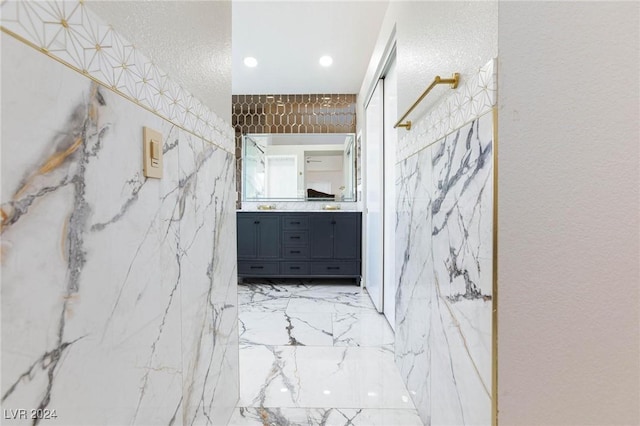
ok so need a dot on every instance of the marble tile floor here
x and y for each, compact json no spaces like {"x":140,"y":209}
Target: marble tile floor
{"x":316,"y":353}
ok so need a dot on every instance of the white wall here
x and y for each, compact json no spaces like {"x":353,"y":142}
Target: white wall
{"x":569,"y":213}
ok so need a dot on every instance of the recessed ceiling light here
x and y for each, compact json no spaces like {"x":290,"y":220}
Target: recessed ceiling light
{"x":250,"y":62}
{"x":326,"y":61}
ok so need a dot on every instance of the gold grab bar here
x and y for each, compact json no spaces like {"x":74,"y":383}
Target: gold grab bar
{"x":453,"y":82}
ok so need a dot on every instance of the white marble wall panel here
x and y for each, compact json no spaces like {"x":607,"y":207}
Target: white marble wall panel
{"x":205,"y":211}
{"x":414,"y":272}
{"x":444,"y":269}
{"x":118,"y":292}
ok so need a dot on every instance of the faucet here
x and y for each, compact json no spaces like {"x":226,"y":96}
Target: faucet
{"x":267,"y":207}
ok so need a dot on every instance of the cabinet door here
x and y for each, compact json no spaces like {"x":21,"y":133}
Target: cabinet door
{"x":268,"y":235}
{"x":247,"y":236}
{"x":346,"y":241}
{"x":321,"y":236}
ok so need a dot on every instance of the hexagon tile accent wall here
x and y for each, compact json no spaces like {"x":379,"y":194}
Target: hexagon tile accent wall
{"x":316,"y":113}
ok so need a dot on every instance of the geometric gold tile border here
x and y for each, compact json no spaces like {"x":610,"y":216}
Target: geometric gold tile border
{"x":475,"y":97}
{"x":75,"y":36}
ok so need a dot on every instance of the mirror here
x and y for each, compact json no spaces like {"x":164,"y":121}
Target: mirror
{"x":303,"y":167}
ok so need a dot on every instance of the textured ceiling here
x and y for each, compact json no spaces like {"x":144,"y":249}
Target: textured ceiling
{"x":288,"y":38}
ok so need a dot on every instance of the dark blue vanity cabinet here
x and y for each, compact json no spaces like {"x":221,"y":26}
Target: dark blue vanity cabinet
{"x":298,"y":244}
{"x":259,"y":244}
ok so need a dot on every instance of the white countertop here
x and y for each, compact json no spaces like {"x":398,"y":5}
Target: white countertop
{"x":299,"y":206}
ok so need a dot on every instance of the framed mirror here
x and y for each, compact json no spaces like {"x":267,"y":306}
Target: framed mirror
{"x":302,"y":167}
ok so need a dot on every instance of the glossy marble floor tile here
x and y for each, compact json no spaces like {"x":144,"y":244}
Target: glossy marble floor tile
{"x":338,"y":299}
{"x":262,"y":298}
{"x":282,"y":328}
{"x":317,"y":353}
{"x":324,"y":416}
{"x":362,"y":329}
{"x":340,"y":377}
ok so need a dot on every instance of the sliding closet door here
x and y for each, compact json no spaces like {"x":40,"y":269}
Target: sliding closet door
{"x":389,"y":164}
{"x":374,"y":196}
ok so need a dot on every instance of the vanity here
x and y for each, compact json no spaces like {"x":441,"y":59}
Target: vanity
{"x":289,"y":244}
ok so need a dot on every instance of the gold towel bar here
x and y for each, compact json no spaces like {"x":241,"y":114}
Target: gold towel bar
{"x":453,"y":82}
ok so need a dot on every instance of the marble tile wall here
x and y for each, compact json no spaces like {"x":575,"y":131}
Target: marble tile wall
{"x":119,"y":297}
{"x":444,"y":270}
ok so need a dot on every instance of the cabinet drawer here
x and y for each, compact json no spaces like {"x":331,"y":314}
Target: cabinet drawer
{"x":296,"y":238}
{"x":295,"y":222}
{"x":292,"y":252}
{"x":257,"y":268}
{"x":335,"y":268}
{"x":294,"y":268}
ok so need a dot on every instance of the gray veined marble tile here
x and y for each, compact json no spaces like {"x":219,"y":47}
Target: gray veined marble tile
{"x":362,"y":329}
{"x":263,"y":297}
{"x":317,"y":377}
{"x":260,"y":416}
{"x":463,"y":382}
{"x":321,"y":288}
{"x":414,"y":271}
{"x":444,"y":268}
{"x":281,"y":328}
{"x":332,"y":299}
{"x":462,"y":219}
{"x":315,"y":363}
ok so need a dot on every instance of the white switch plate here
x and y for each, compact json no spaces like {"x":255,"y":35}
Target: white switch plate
{"x":152,"y":167}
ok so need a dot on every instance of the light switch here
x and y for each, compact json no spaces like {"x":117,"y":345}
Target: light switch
{"x":152,"y":153}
